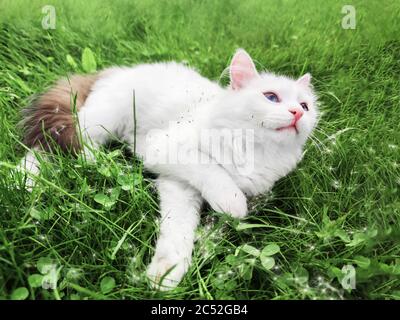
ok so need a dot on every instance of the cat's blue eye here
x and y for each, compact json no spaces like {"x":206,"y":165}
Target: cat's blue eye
{"x":271,"y":96}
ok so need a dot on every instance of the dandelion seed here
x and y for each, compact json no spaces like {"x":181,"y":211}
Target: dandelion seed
{"x":298,"y":279}
{"x":270,"y":196}
{"x":253,"y":207}
{"x":73,"y":273}
{"x":351,"y":188}
{"x":135,"y":278}
{"x":42,"y":237}
{"x":336,"y":184}
{"x":210,"y":220}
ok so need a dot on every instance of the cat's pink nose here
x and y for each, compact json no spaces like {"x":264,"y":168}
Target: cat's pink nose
{"x":297,"y":112}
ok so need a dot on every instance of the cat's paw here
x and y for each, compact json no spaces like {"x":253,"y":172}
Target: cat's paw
{"x":165,"y":273}
{"x":229,"y":200}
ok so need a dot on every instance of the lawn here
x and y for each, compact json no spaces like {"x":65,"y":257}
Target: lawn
{"x":87,"y":231}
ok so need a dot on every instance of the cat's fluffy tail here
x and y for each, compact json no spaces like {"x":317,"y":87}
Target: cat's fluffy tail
{"x":49,"y":120}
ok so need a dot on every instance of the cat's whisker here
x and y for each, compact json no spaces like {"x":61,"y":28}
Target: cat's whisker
{"x":312,"y":135}
{"x":319,"y":130}
{"x":317,"y":143}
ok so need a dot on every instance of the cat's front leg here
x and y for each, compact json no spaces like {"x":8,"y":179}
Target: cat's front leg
{"x":215,"y":185}
{"x":223,"y":195}
{"x":179,"y":205}
{"x":167,"y":155}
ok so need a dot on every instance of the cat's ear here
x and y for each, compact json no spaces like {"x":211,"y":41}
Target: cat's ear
{"x":242,"y":69}
{"x":305,"y":80}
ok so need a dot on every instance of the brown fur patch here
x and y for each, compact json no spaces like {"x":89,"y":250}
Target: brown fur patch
{"x":50,"y":118}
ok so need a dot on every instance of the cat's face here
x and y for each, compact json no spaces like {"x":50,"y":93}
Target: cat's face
{"x":278,"y":108}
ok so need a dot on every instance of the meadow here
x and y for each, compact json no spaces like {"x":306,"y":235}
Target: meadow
{"x":87,"y":231}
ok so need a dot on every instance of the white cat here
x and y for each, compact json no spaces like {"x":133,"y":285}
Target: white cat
{"x":174,"y":106}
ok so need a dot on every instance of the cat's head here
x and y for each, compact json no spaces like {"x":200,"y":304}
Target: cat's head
{"x":279,"y":108}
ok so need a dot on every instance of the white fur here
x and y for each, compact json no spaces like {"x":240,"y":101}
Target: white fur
{"x":31,"y":166}
{"x":171,"y":95}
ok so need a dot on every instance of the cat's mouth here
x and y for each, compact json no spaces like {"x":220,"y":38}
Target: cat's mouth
{"x":290,"y":127}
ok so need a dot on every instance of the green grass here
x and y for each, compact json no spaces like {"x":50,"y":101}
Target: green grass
{"x":97,"y":222}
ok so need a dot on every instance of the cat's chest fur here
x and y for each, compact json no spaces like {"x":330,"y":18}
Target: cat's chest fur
{"x":269,"y":165}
